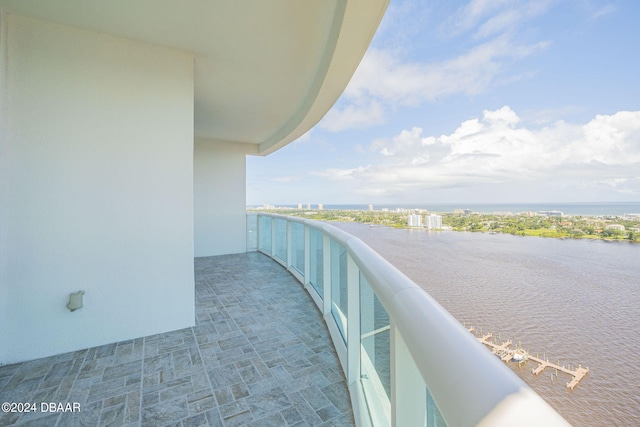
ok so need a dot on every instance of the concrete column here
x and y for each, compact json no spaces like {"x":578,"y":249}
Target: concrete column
{"x":219,"y":201}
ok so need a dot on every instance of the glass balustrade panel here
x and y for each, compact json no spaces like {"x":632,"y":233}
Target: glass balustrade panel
{"x":375,"y":356}
{"x":297,"y":247}
{"x":339,"y":287}
{"x":252,"y":232}
{"x":280,"y":226}
{"x":316,"y":272}
{"x":434,"y":417}
{"x":265,"y":234}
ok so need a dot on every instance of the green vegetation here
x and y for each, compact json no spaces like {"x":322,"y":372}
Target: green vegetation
{"x":575,"y":227}
{"x":389,"y":219}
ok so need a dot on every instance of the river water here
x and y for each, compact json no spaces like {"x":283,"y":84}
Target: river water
{"x":573,"y":301}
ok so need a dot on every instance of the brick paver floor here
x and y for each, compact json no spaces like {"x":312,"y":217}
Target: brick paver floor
{"x":259,"y":355}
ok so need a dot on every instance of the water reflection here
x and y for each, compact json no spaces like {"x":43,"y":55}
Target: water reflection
{"x":577,"y":301}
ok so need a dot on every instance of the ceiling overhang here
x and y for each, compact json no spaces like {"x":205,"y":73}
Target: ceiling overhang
{"x":265,"y":71}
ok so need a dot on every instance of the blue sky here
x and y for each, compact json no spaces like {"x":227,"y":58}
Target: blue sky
{"x":496,"y":101}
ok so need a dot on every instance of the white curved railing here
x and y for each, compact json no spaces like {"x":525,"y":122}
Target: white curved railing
{"x":407,"y":361}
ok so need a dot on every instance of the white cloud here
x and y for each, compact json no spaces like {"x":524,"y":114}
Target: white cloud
{"x":499,"y":148}
{"x":382,"y":79}
{"x":287,"y":179}
{"x":306,"y":137}
{"x":611,"y":140}
{"x":505,"y":116}
{"x":354,"y":116}
{"x":469,"y":15}
{"x":487,"y":18}
{"x":339,"y":174}
{"x":546,"y":116}
{"x":614,"y":182}
{"x":386,"y":79}
{"x":407,"y":143}
{"x":383,"y":76}
{"x":606,"y":9}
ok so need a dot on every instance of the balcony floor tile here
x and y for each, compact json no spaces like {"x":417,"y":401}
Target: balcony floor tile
{"x":259,"y":355}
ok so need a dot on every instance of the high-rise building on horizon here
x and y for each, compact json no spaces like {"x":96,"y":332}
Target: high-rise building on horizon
{"x":433,"y":222}
{"x":551,"y":213}
{"x":414,"y":220}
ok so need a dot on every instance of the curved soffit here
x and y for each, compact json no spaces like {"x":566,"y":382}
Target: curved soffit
{"x":265,"y":71}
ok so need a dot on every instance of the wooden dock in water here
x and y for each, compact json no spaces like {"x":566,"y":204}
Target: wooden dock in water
{"x":504,"y":351}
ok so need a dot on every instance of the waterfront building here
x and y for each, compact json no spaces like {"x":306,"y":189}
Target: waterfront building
{"x":433,"y":222}
{"x":320,"y":206}
{"x":550,"y":213}
{"x":618,"y":227}
{"x":299,"y":206}
{"x":370,"y":207}
{"x":414,"y":220}
{"x":128,"y":125}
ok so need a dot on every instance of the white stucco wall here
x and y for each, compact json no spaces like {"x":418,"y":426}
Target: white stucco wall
{"x":220,"y":221}
{"x":96,"y":189}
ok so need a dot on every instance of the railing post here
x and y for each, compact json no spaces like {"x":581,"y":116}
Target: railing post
{"x":307,"y":255}
{"x":408,"y":391}
{"x":353,"y":321}
{"x":326,"y":274}
{"x":469,"y":398}
{"x":288,"y":245}
{"x":273,"y":237}
{"x":258,"y":227}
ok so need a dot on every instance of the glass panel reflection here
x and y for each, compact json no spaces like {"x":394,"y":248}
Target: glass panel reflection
{"x":281,"y":239}
{"x":375,"y":357}
{"x":316,"y":272}
{"x":265,"y":234}
{"x":339,"y":287}
{"x":252,"y":232}
{"x":434,"y":417}
{"x":297,"y":247}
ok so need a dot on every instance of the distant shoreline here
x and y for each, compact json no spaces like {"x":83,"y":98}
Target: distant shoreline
{"x":591,"y":238}
{"x":568,"y":208}
{"x":550,"y":224}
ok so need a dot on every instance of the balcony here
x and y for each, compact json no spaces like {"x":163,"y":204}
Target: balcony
{"x":407,"y":361}
{"x":376,"y":350}
{"x":259,"y":355}
{"x":110,"y":195}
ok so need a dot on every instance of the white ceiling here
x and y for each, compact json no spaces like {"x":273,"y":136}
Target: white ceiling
{"x":266,"y":71}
